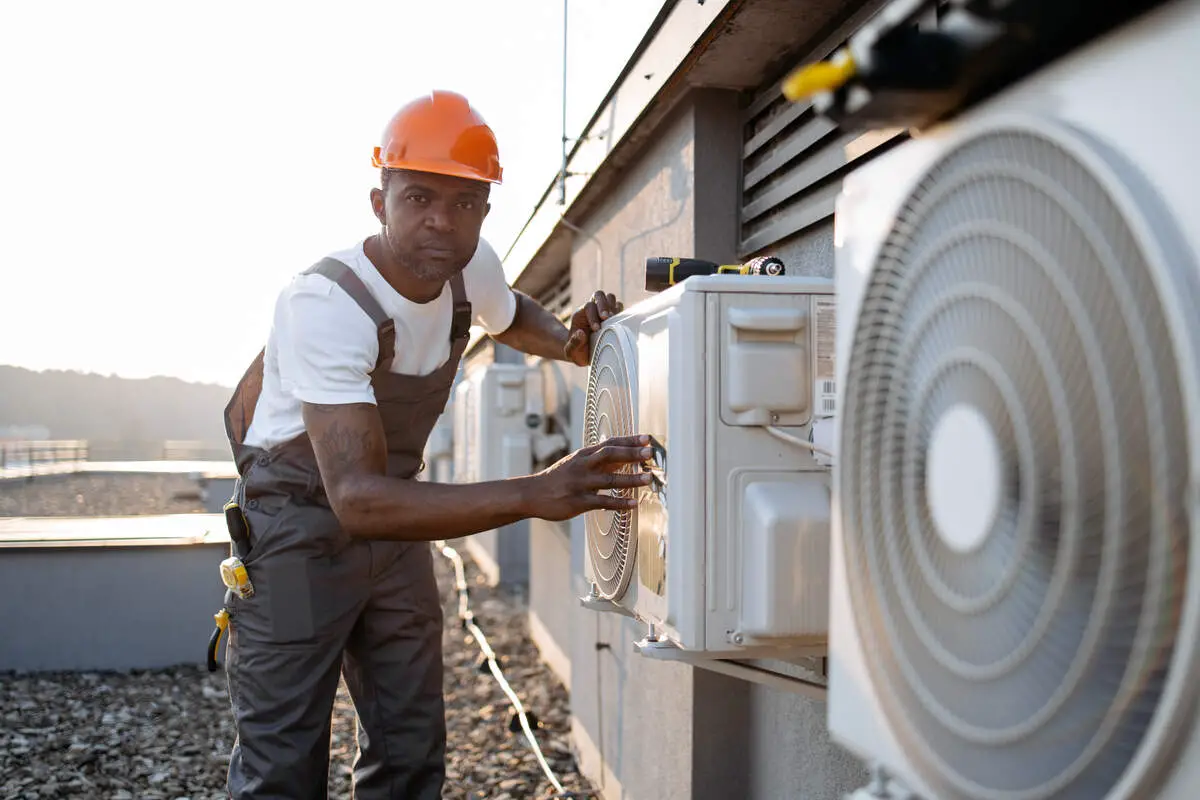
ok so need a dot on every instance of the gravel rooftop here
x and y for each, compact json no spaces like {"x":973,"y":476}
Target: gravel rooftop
{"x":98,"y":495}
{"x":166,"y":734}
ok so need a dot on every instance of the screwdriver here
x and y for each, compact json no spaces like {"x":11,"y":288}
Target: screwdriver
{"x":663,"y":272}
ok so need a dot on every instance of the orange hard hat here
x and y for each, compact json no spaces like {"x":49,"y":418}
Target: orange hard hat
{"x":443,"y":134}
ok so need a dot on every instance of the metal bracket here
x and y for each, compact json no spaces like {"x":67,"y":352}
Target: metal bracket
{"x":594,"y":602}
{"x":663,"y":650}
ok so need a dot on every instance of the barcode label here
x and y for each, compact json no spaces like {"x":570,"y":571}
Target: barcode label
{"x":825,"y":393}
{"x":824,"y":310}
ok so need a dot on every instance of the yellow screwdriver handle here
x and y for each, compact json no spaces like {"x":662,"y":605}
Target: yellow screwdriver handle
{"x":824,"y":76}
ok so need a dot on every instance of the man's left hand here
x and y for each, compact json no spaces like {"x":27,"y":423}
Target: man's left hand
{"x":585,"y":322}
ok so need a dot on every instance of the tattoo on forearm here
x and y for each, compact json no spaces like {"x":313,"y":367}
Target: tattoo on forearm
{"x":342,"y":447}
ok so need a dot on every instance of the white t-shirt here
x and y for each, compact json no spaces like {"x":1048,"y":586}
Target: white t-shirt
{"x":322,"y":346}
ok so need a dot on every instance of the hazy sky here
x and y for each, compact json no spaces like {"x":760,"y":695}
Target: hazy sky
{"x":165,"y":167}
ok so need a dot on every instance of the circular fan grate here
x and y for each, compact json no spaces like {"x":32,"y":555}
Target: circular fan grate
{"x":1015,"y":475}
{"x":609,"y":413}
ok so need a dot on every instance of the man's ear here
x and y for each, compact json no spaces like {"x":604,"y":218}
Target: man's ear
{"x":377,"y":205}
{"x":487,"y":207}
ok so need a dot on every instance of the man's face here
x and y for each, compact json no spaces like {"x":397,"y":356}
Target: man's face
{"x":431,"y":222}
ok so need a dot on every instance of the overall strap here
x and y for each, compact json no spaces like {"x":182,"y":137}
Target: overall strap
{"x":352,"y":285}
{"x":460,"y":323}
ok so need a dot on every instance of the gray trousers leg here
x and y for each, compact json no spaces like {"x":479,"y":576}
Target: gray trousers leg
{"x":283,"y":702}
{"x":393,"y":668}
{"x":283,"y":659}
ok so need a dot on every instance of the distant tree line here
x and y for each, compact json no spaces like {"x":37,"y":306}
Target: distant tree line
{"x":120,"y":417}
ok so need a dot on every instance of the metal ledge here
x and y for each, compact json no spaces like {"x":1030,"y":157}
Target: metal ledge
{"x":775,"y":680}
{"x":170,"y":530}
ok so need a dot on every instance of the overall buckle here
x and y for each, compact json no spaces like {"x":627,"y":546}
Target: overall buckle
{"x":460,"y":326}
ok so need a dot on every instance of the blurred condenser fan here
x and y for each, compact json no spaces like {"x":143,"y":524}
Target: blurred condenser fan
{"x":1018,"y":447}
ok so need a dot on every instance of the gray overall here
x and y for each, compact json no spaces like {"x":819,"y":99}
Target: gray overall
{"x":326,"y":604}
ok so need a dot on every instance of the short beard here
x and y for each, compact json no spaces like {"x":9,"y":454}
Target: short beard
{"x":418,"y":269}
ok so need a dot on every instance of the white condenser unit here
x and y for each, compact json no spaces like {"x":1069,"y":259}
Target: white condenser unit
{"x":439,"y":451}
{"x":500,"y":423}
{"x":727,"y":553}
{"x":1015,"y":595}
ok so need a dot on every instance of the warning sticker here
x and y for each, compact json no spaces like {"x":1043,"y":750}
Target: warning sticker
{"x":824,"y":314}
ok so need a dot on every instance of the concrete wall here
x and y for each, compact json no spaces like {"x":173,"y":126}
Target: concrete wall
{"x":551,"y":594}
{"x":809,"y":252}
{"x":790,"y":754}
{"x":118,"y":607}
{"x":647,"y":729}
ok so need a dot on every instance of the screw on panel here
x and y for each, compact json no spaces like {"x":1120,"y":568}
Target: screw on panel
{"x":739,"y":639}
{"x":879,"y":781}
{"x":883,"y":786}
{"x":774,"y":418}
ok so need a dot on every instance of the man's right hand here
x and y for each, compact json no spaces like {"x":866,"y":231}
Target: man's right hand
{"x":576,"y":483}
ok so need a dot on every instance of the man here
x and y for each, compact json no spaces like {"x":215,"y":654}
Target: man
{"x":328,"y":427}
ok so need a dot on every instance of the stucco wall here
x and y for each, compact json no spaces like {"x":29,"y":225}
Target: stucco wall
{"x":809,"y":252}
{"x":550,"y":595}
{"x":790,"y":754}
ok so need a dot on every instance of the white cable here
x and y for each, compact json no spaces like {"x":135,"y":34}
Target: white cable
{"x":797,"y":441}
{"x":465,"y":614}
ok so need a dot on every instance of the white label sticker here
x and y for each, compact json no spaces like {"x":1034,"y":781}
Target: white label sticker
{"x":824,"y":312}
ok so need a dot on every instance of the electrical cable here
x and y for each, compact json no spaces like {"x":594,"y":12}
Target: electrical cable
{"x":797,"y":441}
{"x":468,"y":620}
{"x":599,"y":280}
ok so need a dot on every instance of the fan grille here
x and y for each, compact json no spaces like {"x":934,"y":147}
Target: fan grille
{"x":1032,"y":664}
{"x":609,"y":413}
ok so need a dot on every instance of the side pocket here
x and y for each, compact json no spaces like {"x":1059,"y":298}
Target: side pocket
{"x":306,"y":576}
{"x":281,"y":610}
{"x":290,"y":597}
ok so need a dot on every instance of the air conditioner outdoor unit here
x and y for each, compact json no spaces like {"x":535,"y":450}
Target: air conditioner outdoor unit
{"x":499,"y":423}
{"x":551,"y":440}
{"x":727,"y":554}
{"x":1015,"y":595}
{"x":439,"y":451}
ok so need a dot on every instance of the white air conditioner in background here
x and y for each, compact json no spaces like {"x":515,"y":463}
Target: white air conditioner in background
{"x":1015,"y":595}
{"x":728,"y":554}
{"x":439,"y":451}
{"x":465,"y":431}
{"x":499,"y":423}
{"x":551,"y":438}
